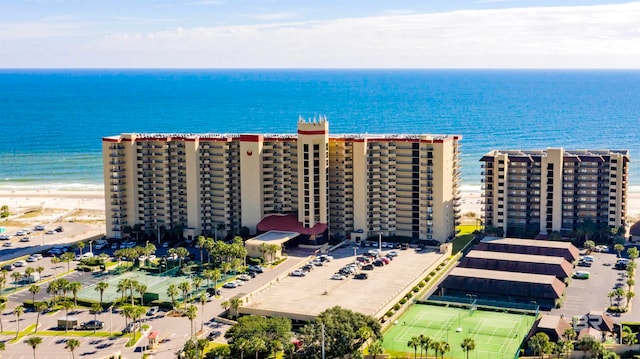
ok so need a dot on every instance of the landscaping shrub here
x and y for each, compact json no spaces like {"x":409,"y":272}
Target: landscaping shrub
{"x":409,"y":295}
{"x":254,"y":261}
{"x":162,"y":304}
{"x":389,"y":313}
{"x":421,"y":284}
{"x":416,"y":289}
{"x":403,"y":301}
{"x":396,"y":306}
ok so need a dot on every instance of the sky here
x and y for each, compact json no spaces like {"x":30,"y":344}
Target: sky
{"x":319,"y":34}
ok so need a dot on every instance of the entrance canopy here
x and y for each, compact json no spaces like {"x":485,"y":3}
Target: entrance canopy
{"x":271,"y":237}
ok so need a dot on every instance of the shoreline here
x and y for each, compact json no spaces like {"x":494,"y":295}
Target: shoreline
{"x":18,"y":200}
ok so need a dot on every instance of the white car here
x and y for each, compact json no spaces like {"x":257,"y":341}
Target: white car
{"x":337,"y":276}
{"x":393,"y":253}
{"x":20,"y":233}
{"x":244,"y":277}
{"x":297,"y":273}
{"x":20,"y":264}
{"x":238,"y":282}
{"x":25,"y":239}
{"x":32,"y":259}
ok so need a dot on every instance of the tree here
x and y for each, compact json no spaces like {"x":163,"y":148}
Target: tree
{"x":234,"y":304}
{"x":172,"y":292}
{"x":81,"y":247}
{"x":629,"y":295}
{"x":3,"y":281}
{"x":141,"y":289}
{"x":66,"y":305}
{"x":74,"y":287}
{"x":202,"y":242}
{"x":467,"y":345}
{"x":16,"y":277}
{"x":3,"y":306}
{"x":414,"y":342}
{"x":628,"y":336}
{"x":632,"y":252}
{"x":67,"y":257}
{"x":18,"y":311}
{"x":40,"y":269}
{"x":39,"y":307}
{"x":611,"y":295}
{"x":203,"y":300}
{"x":33,"y":342}
{"x":225,"y":304}
{"x":192,"y":313}
{"x":274,"y":332}
{"x":54,"y":261}
{"x":539,"y":344}
{"x":619,"y":292}
{"x":185,"y":287}
{"x":425,"y":342}
{"x":618,"y":248}
{"x":101,"y":287}
{"x":72,"y":345}
{"x":95,"y":308}
{"x":136,"y":313}
{"x":27,"y":273}
{"x":342,"y":332}
{"x":589,"y":245}
{"x":34,"y":289}
{"x":375,"y":348}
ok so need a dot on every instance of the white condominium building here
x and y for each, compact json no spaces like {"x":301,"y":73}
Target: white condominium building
{"x":310,"y":182}
{"x":554,"y":189}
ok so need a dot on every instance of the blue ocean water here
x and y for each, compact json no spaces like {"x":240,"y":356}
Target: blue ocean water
{"x":53,"y":120}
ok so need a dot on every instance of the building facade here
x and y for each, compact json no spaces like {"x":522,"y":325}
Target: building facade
{"x":397,"y":185}
{"x":554,"y":189}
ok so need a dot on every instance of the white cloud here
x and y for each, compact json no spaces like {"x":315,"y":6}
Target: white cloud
{"x":275,"y":16}
{"x":576,"y":37}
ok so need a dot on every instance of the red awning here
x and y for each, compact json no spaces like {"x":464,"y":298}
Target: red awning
{"x":153,"y":335}
{"x":289,"y":223}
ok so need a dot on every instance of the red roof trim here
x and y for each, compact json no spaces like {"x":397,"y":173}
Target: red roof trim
{"x":318,"y":132}
{"x":251,"y":138}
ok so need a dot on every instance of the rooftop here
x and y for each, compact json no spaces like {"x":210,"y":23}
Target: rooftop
{"x":501,"y":275}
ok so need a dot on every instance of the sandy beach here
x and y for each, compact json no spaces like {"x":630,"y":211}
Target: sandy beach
{"x":52,"y":203}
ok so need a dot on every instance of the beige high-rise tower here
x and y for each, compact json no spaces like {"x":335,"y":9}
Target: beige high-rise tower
{"x":309,"y":182}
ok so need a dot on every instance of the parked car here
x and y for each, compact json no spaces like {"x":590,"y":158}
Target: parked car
{"x":337,"y":276}
{"x":130,"y":327}
{"x":361,"y":276}
{"x":39,"y":227}
{"x":244,"y":277}
{"x":393,"y":254}
{"x":20,"y":263}
{"x":7,"y":244}
{"x":297,"y":273}
{"x":256,"y":268}
{"x":230,"y":285}
{"x":213,"y":291}
{"x":367,"y":267}
{"x":50,"y":232}
{"x":32,"y":259}
{"x":59,"y":229}
{"x":92,"y":324}
{"x":25,"y":239}
{"x":8,"y":267}
{"x":153,"y":310}
{"x":581,"y":275}
{"x":213,"y":335}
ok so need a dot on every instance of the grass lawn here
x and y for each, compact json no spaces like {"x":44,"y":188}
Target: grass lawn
{"x":496,"y":334}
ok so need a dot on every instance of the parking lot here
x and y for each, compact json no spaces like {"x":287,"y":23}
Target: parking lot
{"x":583,"y":295}
{"x":316,"y":291}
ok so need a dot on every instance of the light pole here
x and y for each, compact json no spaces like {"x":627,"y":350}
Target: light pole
{"x":111,"y":320}
{"x":380,"y":242}
{"x":355,"y":256}
{"x":91,"y":246}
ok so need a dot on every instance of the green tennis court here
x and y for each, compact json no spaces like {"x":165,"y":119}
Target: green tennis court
{"x":497,"y":334}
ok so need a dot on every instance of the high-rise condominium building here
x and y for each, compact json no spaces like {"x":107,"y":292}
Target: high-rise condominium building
{"x":554,"y":189}
{"x":310,"y":182}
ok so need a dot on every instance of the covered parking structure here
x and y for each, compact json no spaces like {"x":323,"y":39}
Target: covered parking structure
{"x":513,"y":287}
{"x":520,"y":263}
{"x":279,"y":238}
{"x":531,"y":246}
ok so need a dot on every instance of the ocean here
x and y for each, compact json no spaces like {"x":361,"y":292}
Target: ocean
{"x":54,"y":120}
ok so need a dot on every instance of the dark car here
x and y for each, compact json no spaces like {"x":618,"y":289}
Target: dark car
{"x":378,"y":263}
{"x":59,"y":229}
{"x":8,"y":267}
{"x":367,"y":267}
{"x":361,"y":276}
{"x":92,"y":324}
{"x":213,"y":291}
{"x":213,"y":335}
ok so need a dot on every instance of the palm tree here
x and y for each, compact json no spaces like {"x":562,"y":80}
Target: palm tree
{"x":67,"y":257}
{"x":33,"y":342}
{"x":40,"y":306}
{"x":66,"y":304}
{"x":40,"y":270}
{"x":34,"y":289}
{"x":3,"y":306}
{"x":192,"y":313}
{"x":203,"y":300}
{"x":72,"y":345}
{"x":3,"y":280}
{"x":16,"y":276}
{"x":197,"y":283}
{"x":54,"y":261}
{"x":122,"y":287}
{"x":618,"y":247}
{"x":75,"y":287}
{"x":27,"y":274}
{"x":136,"y":313}
{"x":53,"y":288}
{"x":425,"y":342}
{"x":127,"y":312}
{"x":95,"y":308}
{"x":185,"y":287}
{"x":172,"y":291}
{"x":414,"y":343}
{"x":141,"y":289}
{"x":202,"y":241}
{"x":101,"y":287}
{"x":444,"y":347}
{"x":234,"y":304}
{"x":629,"y":295}
{"x":18,"y":311}
{"x":375,"y":348}
{"x":258,"y":345}
{"x":225,"y":304}
{"x":80,"y":247}
{"x":467,"y":345}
